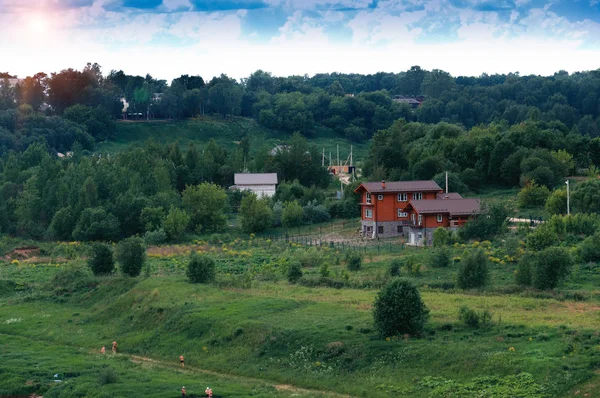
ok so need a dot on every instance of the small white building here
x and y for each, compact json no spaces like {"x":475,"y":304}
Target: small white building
{"x":262,"y":184}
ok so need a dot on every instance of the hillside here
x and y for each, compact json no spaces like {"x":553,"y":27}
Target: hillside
{"x":225,"y":131}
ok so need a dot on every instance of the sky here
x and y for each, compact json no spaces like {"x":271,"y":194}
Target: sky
{"x":167,"y":38}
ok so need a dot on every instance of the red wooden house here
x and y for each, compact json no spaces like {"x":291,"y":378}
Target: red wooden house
{"x":411,"y":208}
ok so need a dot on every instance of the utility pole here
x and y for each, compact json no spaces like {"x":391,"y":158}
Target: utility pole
{"x":568,"y":198}
{"x":351,"y":164}
{"x":446,"y":182}
{"x":329,"y":158}
{"x":323,"y":159}
{"x":338,"y":155}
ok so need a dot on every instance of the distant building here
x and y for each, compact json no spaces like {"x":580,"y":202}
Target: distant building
{"x":413,"y":102}
{"x":262,"y":184}
{"x":413,"y":209}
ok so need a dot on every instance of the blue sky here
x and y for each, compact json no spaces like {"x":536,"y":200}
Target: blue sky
{"x":167,"y":38}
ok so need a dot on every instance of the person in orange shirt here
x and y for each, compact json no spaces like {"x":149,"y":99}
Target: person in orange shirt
{"x":208,"y":392}
{"x":183,"y":392}
{"x":114,"y":349}
{"x":103,"y":350}
{"x":182,"y":361}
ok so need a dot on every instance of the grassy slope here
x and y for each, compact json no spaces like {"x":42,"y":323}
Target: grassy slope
{"x":225,"y":131}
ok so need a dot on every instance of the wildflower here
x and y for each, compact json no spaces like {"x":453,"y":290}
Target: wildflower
{"x":511,"y":349}
{"x":387,"y":339}
{"x":15,"y":262}
{"x":317,"y":364}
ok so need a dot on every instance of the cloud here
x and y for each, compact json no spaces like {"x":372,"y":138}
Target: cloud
{"x":179,"y":5}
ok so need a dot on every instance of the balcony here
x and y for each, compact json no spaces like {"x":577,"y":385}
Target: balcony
{"x":411,"y":223}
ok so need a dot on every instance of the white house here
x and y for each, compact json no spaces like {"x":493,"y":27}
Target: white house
{"x":262,"y":184}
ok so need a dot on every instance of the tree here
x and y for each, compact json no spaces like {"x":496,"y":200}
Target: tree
{"x":441,"y":237}
{"x":291,"y":216}
{"x":436,"y":82}
{"x":96,"y":224}
{"x":557,"y":202}
{"x":487,"y":224}
{"x":398,"y":309}
{"x":552,"y":265}
{"x":353,"y":260}
{"x":294,"y":272}
{"x":589,"y":249}
{"x":175,"y":223}
{"x":205,"y":203}
{"x":201,"y":268}
{"x":586,"y":196}
{"x":440,"y":257}
{"x":61,"y":227}
{"x":542,"y":237}
{"x":255,"y":214}
{"x":131,"y":255}
{"x":101,"y":261}
{"x":473,"y":271}
{"x":532,"y":195}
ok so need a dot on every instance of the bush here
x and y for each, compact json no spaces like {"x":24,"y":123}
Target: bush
{"x":131,"y":255}
{"x":255,"y":214}
{"x":440,"y":258}
{"x":311,"y":258}
{"x":541,"y":237}
{"x":589,"y":249}
{"x":395,"y":266}
{"x":441,"y":237}
{"x":557,"y":202}
{"x":324,"y":271}
{"x":291,"y":215}
{"x":314,"y":213}
{"x":294,"y":272}
{"x":532,"y":195}
{"x":201,"y":269}
{"x":474,"y":319}
{"x":353,"y":260}
{"x":487,"y":224}
{"x":524,"y":271}
{"x":107,"y":376}
{"x":175,"y":223}
{"x":101,"y":260}
{"x":552,"y":265}
{"x":473,"y":271}
{"x":398,"y":309}
{"x":412,"y":266}
{"x":157,"y":237}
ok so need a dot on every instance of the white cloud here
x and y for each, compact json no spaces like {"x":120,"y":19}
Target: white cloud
{"x":171,"y":5}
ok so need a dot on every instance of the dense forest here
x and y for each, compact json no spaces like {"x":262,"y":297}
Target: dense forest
{"x":499,"y":130}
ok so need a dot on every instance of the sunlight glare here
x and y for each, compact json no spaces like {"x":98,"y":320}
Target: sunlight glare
{"x":38,"y":24}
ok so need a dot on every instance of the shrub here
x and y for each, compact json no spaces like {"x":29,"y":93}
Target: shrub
{"x":101,"y":260}
{"x":175,"y":223}
{"x":96,"y":224}
{"x":541,"y":237}
{"x":311,"y":258}
{"x":473,"y":271}
{"x":523,"y":273}
{"x":157,"y":237}
{"x":441,"y":237}
{"x":395,"y":266}
{"x":440,"y":258}
{"x":291,"y":215}
{"x":552,"y":265}
{"x":255,"y":214}
{"x":487,"y":224}
{"x":107,"y":376}
{"x":398,"y":309}
{"x":353,"y":260}
{"x":474,"y":319}
{"x":412,"y":266}
{"x":131,"y":255}
{"x":324,"y":271}
{"x":314,"y":213}
{"x":532,"y":195}
{"x":201,"y":269}
{"x":589,"y":249}
{"x":294,"y":272}
{"x":557,"y":202}
{"x":72,"y":279}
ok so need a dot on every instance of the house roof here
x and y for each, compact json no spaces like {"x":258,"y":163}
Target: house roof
{"x":452,"y":206}
{"x":406,"y":100}
{"x":255,"y":178}
{"x":449,"y":195}
{"x":400,"y":186}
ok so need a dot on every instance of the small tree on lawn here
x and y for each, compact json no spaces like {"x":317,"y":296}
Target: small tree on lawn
{"x":201,"y":269}
{"x":353,"y":261}
{"x":398,"y":309}
{"x":101,"y":261}
{"x":440,"y":257}
{"x":473,"y":271}
{"x":291,"y":216}
{"x":294,"y":272}
{"x":552,"y":265}
{"x":131,"y":255}
{"x":255,"y":214}
{"x":440,"y":237}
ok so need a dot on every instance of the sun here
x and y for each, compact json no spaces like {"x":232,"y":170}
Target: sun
{"x":38,"y":24}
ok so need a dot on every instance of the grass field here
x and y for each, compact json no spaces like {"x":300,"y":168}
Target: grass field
{"x":227,"y":132}
{"x":251,"y":333}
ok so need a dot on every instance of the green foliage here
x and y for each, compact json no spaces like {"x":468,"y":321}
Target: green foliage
{"x":589,"y":249}
{"x":353,"y":260}
{"x":541,"y":238}
{"x":532,"y":195}
{"x":310,"y":258}
{"x":61,"y":227}
{"x":175,"y":223}
{"x":557,"y":202}
{"x":291,"y":215}
{"x":395,"y":266}
{"x":101,"y":260}
{"x":473,"y":270}
{"x":487,"y":224}
{"x":255,"y":214}
{"x":552,"y":265}
{"x":441,"y":237}
{"x":412,"y":266}
{"x":324,"y":271}
{"x":585,"y":196}
{"x":398,"y":309}
{"x":201,"y":268}
{"x":107,"y":376}
{"x":474,"y":319}
{"x":205,"y":203}
{"x":96,"y":224}
{"x":294,"y":272}
{"x":156,"y":237}
{"x":525,"y":269}
{"x":314,"y":213}
{"x":131,"y":255}
{"x":440,"y":257}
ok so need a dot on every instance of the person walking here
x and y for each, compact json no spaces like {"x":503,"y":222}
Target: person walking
{"x":181,"y":360}
{"x":114,"y":347}
{"x":103,"y":350}
{"x":208,"y":392}
{"x":183,"y":394}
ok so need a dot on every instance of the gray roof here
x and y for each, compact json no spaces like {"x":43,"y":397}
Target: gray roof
{"x":452,"y":206}
{"x":401,"y":186}
{"x":255,"y":178}
{"x":449,"y":195}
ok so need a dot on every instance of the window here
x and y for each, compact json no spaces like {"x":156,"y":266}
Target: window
{"x":368,"y":198}
{"x":402,"y":197}
{"x":379,"y":197}
{"x":420,"y":219}
{"x":420,"y":236}
{"x":439,"y":218}
{"x":417,"y":195}
{"x":368,"y":213}
{"x":412,"y":217}
{"x":402,"y":214}
{"x":380,"y":229}
{"x":399,"y":229}
{"x":369,"y":229}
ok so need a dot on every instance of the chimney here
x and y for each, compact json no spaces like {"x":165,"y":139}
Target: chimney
{"x":382,"y":184}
